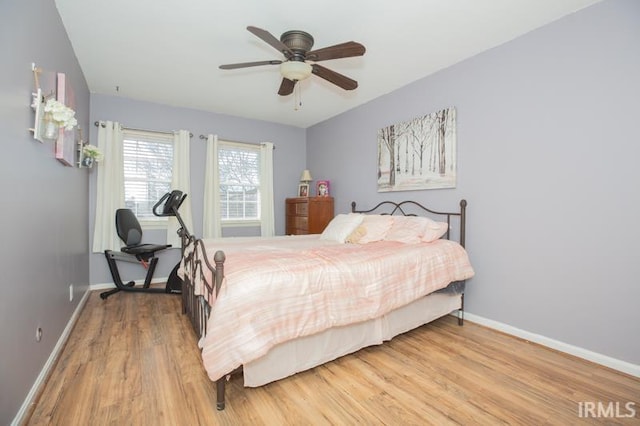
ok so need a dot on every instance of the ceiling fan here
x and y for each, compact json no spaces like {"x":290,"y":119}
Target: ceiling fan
{"x":296,"y":47}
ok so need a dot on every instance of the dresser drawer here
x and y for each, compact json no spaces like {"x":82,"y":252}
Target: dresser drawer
{"x":298,"y":222}
{"x":308,"y":215}
{"x":298,"y":209}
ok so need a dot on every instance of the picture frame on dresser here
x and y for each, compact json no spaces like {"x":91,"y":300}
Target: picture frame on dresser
{"x":303,"y":190}
{"x":322,"y":188}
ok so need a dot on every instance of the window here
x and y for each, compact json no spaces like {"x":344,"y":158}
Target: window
{"x":239,"y":172}
{"x":148,"y":163}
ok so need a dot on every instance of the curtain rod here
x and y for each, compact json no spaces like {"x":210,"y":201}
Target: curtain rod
{"x":204,"y":137}
{"x":97,"y":123}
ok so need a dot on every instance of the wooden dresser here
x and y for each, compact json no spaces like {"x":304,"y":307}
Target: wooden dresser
{"x":308,"y":215}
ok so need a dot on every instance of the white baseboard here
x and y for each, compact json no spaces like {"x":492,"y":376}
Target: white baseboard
{"x":50,"y":362}
{"x":607,"y":361}
{"x":107,"y":286}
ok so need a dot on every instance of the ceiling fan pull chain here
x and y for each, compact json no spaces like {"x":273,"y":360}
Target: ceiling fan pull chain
{"x":297,"y":97}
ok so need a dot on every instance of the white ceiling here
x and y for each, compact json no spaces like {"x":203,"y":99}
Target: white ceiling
{"x":168,"y":51}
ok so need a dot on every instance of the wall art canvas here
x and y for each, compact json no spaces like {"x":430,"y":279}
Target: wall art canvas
{"x":65,"y":146}
{"x":419,"y":153}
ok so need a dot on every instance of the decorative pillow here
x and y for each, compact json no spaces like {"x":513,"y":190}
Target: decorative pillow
{"x":356,"y":235}
{"x":341,"y":227}
{"x":434,"y":230}
{"x":376,"y":226}
{"x":407,"y":229}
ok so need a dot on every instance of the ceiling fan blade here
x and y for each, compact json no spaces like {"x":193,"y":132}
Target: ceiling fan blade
{"x":333,"y":77}
{"x":271,"y":40}
{"x":286,"y":87}
{"x":248,"y":64}
{"x":343,"y":50}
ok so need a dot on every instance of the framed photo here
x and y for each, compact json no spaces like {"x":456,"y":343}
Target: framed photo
{"x":322,"y":188}
{"x":303,"y":190}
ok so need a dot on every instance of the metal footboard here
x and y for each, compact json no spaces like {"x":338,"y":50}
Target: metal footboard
{"x":201,"y":283}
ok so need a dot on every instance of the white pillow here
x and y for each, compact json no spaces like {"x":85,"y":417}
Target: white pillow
{"x":341,"y":227}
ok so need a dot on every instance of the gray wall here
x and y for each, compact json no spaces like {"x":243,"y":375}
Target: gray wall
{"x":45,"y":205}
{"x":289,"y":160}
{"x":547,"y":158}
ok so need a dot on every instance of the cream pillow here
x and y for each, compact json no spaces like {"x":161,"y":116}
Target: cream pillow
{"x":407,"y":229}
{"x":356,"y":236}
{"x":376,"y":227}
{"x":434,"y":230}
{"x":341,"y":227}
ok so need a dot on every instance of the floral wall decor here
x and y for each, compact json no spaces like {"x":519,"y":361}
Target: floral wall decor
{"x":91,"y":155}
{"x":66,"y":141}
{"x":419,"y":153}
{"x":45,"y":90}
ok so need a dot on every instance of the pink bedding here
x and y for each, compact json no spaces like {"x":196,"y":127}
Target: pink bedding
{"x":281,"y":288}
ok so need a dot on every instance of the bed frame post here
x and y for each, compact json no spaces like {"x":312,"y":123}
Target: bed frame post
{"x":463,"y":221}
{"x":220,"y":385}
{"x":219,"y":259}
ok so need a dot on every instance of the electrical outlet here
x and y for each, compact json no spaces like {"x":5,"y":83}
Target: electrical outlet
{"x":38,"y":334}
{"x":70,"y":292}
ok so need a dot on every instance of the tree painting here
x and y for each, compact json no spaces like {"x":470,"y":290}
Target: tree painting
{"x":419,"y":153}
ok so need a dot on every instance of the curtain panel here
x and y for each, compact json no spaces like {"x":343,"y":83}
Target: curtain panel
{"x":267,"y":219}
{"x":181,"y":180}
{"x":110,"y":187}
{"x":211,"y":221}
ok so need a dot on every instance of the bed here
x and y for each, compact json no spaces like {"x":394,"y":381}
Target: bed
{"x":271,"y":307}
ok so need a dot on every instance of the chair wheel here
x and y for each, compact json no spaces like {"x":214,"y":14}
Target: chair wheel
{"x":103,"y":296}
{"x":130,"y":284}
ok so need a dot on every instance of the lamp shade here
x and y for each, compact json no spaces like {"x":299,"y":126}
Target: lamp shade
{"x":306,"y":176}
{"x":295,"y":70}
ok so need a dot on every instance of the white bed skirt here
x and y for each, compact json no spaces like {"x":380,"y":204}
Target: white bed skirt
{"x":307,"y":352}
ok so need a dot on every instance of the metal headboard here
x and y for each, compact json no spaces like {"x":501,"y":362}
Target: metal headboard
{"x":407,"y":208}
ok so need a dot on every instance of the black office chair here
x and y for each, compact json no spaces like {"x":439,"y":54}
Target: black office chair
{"x":130,"y":233}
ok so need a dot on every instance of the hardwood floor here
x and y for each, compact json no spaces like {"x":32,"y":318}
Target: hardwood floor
{"x":133,"y":359}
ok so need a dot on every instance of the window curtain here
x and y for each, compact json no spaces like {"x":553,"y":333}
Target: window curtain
{"x":110,"y":187}
{"x":267,"y":222}
{"x":211,"y":222}
{"x":181,"y":180}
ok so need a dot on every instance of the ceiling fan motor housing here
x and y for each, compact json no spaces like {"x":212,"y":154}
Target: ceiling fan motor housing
{"x":299,"y":42}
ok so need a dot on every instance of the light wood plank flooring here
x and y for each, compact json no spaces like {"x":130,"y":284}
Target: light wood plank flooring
{"x":133,"y":360}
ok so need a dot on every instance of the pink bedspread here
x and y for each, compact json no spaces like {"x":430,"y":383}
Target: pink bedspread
{"x":281,"y":288}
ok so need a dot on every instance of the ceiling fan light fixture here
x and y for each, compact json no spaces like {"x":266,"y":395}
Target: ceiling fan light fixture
{"x":295,"y":70}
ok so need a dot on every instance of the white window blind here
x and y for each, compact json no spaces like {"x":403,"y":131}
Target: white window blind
{"x":239,"y":168}
{"x":148,"y":163}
